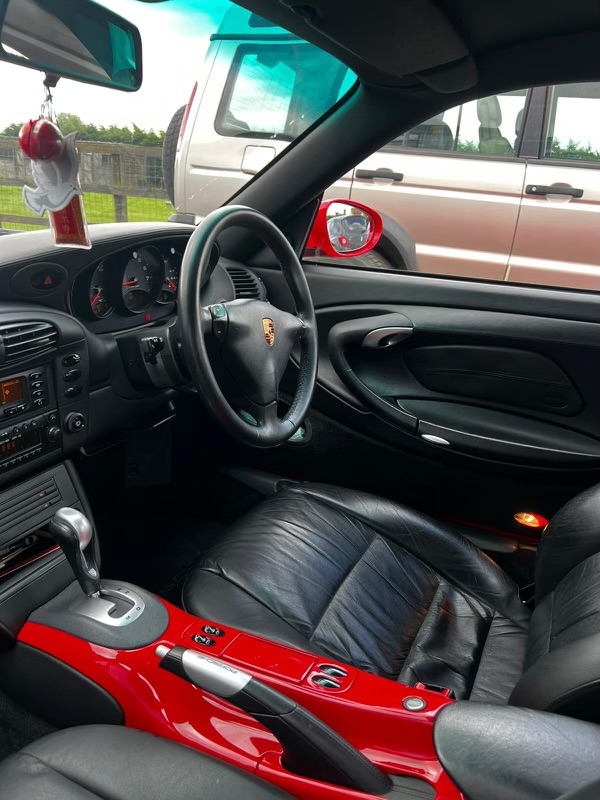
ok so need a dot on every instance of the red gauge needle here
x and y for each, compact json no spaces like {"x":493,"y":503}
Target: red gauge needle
{"x":95,"y":297}
{"x":130,"y":283}
{"x":172,"y":285}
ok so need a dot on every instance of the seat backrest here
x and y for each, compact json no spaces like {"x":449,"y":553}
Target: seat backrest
{"x":562,"y":664}
{"x":433,"y":134}
{"x":491,"y":140}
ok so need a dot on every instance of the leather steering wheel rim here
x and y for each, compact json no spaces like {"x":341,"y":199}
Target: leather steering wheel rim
{"x":262,"y":360}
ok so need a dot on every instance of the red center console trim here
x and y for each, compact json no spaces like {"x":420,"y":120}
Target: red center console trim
{"x":365,"y":709}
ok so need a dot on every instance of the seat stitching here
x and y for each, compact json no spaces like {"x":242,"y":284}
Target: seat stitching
{"x":92,"y":792}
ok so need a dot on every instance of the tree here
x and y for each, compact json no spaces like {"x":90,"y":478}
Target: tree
{"x":88,"y":132}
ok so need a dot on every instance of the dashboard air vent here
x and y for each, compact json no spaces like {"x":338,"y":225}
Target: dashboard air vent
{"x":245,"y":283}
{"x":20,"y":341}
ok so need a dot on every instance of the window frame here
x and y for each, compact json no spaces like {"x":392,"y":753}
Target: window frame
{"x":545,"y":128}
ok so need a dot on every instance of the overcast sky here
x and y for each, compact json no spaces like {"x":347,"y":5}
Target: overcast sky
{"x":174,"y":44}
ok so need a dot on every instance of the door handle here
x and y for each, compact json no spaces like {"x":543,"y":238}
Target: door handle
{"x":541,"y":191}
{"x":381,"y":174}
{"x":386,"y":337}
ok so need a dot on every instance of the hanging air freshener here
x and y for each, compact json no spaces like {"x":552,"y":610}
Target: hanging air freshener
{"x":55,"y":169}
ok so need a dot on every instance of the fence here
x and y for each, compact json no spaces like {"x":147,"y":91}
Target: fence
{"x":122,"y":182}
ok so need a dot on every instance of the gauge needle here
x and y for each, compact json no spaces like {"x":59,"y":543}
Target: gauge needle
{"x":172,"y":285}
{"x":130,"y":283}
{"x":96,"y":297}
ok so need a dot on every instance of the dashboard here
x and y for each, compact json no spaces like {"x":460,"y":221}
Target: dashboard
{"x":75,"y":332}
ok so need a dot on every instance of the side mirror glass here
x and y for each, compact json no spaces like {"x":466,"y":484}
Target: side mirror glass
{"x":343,"y":229}
{"x":82,"y":41}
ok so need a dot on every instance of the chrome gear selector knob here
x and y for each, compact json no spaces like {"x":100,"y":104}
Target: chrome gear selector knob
{"x":73,"y":531}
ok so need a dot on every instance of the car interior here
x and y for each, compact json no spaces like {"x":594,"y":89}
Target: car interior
{"x":290,"y":529}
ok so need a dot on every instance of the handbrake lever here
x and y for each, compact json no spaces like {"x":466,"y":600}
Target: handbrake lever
{"x":310,"y":747}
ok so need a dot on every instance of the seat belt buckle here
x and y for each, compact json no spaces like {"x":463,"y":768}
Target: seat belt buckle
{"x":433,"y":687}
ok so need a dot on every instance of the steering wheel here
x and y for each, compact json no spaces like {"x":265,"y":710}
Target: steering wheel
{"x":254,"y":339}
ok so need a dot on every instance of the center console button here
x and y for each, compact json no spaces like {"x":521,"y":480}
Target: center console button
{"x":71,"y":375}
{"x":37,"y":385}
{"x":38,"y":402}
{"x":206,"y":641}
{"x":73,"y":391}
{"x":333,"y":670}
{"x":212,"y":630}
{"x":325,"y":682}
{"x":414,"y":703}
{"x":52,"y":417}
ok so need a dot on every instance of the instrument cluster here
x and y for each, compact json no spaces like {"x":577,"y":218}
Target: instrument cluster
{"x":128,"y":283}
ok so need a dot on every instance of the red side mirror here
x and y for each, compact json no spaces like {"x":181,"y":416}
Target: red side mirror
{"x":343,"y":229}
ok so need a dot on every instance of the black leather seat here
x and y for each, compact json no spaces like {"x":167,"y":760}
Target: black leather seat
{"x":105,"y":761}
{"x":393,"y":592}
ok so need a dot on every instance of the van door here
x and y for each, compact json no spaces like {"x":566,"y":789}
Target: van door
{"x":259,"y":97}
{"x":558,"y":235}
{"x":454,"y":185}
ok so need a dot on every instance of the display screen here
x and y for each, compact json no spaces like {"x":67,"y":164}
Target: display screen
{"x":11,"y":391}
{"x":24,"y":442}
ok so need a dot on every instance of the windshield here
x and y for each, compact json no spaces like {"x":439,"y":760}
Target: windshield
{"x":223,"y":93}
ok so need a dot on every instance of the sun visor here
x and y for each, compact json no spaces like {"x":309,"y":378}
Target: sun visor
{"x":396,"y":39}
{"x":454,"y":77}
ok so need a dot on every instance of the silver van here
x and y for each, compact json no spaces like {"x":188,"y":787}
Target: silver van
{"x":506,"y":187}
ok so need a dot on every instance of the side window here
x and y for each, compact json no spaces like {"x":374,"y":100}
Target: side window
{"x":279,"y":90}
{"x":573,"y":131}
{"x":488,"y":126}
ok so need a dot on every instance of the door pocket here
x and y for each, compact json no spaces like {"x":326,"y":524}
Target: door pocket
{"x":516,"y":378}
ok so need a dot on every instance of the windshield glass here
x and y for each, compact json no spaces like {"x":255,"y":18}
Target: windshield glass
{"x":148,"y":155}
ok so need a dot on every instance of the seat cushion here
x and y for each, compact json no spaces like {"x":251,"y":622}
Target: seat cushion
{"x":105,"y":761}
{"x":370,"y":583}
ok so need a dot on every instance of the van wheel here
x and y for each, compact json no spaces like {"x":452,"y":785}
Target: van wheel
{"x":169,"y":151}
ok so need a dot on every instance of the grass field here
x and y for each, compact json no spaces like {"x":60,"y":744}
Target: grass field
{"x":98,"y":208}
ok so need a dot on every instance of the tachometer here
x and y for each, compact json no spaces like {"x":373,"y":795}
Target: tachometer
{"x":99,"y":303}
{"x":168,"y":293}
{"x":142,"y":279}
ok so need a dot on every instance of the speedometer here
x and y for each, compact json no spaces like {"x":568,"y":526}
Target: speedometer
{"x":142,"y":279}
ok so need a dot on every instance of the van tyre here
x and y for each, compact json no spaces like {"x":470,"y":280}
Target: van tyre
{"x":169,"y":152}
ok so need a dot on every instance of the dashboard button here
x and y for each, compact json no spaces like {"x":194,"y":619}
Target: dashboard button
{"x":37,"y":385}
{"x":73,"y":391}
{"x":52,"y":417}
{"x":38,"y":402}
{"x":21,"y":406}
{"x":72,"y":375}
{"x":35,"y":376}
{"x":38,"y":393}
{"x":16,"y":430}
{"x":71,"y":360}
{"x":9,"y":412}
{"x":25,"y":427}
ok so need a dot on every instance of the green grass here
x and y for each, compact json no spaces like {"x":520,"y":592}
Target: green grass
{"x":98,"y":208}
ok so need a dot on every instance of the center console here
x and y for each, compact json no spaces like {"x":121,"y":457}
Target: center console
{"x":90,"y":650}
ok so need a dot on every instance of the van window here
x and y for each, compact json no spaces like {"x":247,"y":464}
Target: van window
{"x":279,"y":90}
{"x":573,"y":132}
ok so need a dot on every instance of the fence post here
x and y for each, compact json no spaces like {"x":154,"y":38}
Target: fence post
{"x":116,"y":163}
{"x":120,"y":207}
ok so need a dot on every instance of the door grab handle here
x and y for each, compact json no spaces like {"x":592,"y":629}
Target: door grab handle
{"x":382,"y":174}
{"x":385,"y":337}
{"x":536,"y":189}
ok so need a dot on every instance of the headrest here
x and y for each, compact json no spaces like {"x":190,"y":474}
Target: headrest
{"x":488,"y":112}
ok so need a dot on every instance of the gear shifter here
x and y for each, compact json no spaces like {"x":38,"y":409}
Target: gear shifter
{"x":112,"y":603}
{"x":73,"y":531}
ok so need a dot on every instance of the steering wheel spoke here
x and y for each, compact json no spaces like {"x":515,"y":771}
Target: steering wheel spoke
{"x":255,"y":339}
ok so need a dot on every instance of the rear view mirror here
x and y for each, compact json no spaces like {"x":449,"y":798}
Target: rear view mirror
{"x":78,"y":40}
{"x":343,"y":229}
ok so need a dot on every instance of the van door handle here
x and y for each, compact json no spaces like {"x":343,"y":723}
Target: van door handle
{"x":536,"y":189}
{"x":381,"y":174}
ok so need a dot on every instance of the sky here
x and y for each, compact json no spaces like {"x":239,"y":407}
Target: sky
{"x":175,"y":36}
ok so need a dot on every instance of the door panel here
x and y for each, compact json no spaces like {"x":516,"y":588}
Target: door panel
{"x":506,"y":374}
